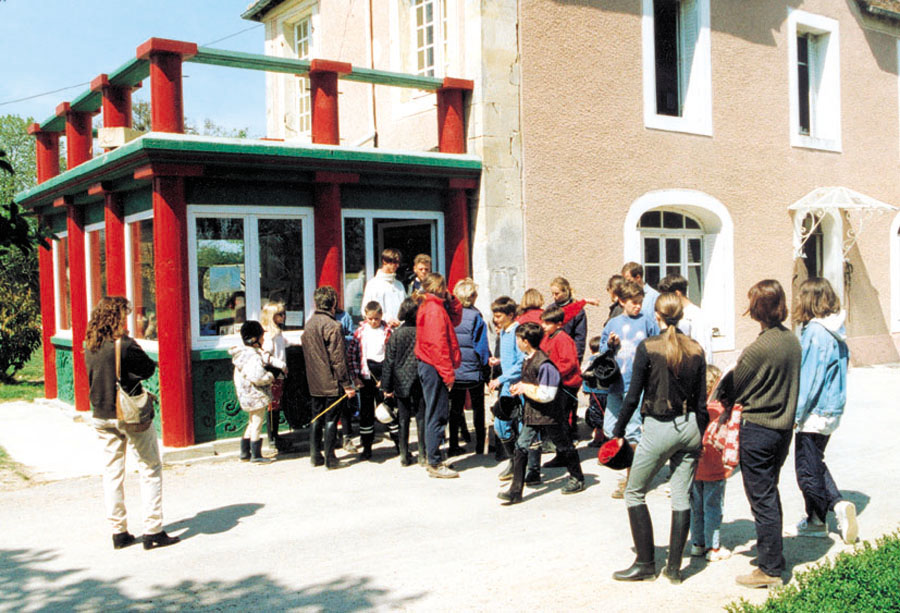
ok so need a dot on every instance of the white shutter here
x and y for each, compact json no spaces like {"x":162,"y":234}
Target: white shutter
{"x":688,"y":34}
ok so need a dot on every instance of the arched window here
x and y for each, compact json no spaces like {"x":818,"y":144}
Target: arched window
{"x":672,"y":243}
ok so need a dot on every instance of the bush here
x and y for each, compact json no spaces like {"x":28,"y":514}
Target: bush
{"x":868,"y":579}
{"x":20,"y":315}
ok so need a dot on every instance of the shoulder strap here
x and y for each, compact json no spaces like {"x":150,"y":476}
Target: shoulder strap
{"x":119,"y":360}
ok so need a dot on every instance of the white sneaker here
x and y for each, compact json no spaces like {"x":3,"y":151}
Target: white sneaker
{"x":697,"y":550}
{"x":845,"y":512}
{"x":805,"y":527}
{"x":717,"y":555}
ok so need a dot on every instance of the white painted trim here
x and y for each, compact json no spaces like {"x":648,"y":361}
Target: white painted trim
{"x":88,"y":279}
{"x":697,"y":112}
{"x":718,"y":286}
{"x":825,"y":110}
{"x":895,"y":273}
{"x":56,"y":297}
{"x":250,"y":215}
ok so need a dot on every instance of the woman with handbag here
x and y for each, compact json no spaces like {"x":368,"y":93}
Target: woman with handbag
{"x":669,"y":382}
{"x":116,"y":365}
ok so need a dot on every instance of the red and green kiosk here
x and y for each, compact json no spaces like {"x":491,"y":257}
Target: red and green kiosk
{"x":128,"y":219}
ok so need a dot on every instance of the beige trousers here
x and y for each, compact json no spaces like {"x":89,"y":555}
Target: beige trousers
{"x":146,"y":451}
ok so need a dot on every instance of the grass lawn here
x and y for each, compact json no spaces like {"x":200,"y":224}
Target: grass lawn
{"x":28,"y":383}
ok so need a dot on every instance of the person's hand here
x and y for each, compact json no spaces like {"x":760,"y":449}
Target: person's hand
{"x":516,"y":389}
{"x":492,"y":361}
{"x":393,"y":323}
{"x":493,"y":384}
{"x":592,"y":301}
{"x":621,"y":441}
{"x":613,"y":341}
{"x":378,"y":384}
{"x":388,"y":395}
{"x":351,"y":393}
{"x":284,"y":370}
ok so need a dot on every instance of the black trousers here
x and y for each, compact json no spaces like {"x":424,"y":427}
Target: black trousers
{"x":412,"y":406}
{"x":458,"y":408}
{"x":324,"y":428}
{"x":820,"y":493}
{"x":762,"y":453}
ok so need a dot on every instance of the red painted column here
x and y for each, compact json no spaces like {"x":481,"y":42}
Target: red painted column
{"x":329,"y":233}
{"x":78,"y":293}
{"x":452,"y":139}
{"x":47,"y":158}
{"x":172,"y":307}
{"x":116,"y":104}
{"x":323,"y":78}
{"x":114,"y":217}
{"x":79,"y":135}
{"x":166,"y":93}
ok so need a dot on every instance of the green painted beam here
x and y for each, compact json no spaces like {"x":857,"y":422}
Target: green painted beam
{"x":130,"y":73}
{"x":87,"y":101}
{"x":54,"y":124}
{"x":256,"y":61}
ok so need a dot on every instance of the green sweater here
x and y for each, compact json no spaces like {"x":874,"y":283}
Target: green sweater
{"x":767,"y":379}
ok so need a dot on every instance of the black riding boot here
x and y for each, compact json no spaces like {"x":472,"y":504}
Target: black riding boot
{"x":644,"y":566}
{"x":367,"y":438}
{"x":245,"y":449}
{"x":681,"y":524}
{"x":510,"y":451}
{"x":315,"y":443}
{"x":403,"y":440}
{"x":514,"y":494}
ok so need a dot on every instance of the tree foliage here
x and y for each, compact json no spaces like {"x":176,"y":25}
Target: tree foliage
{"x":20,"y":316}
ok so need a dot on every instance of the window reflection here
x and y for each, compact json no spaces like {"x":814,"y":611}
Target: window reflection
{"x":281,"y":267}
{"x":221,"y":275}
{"x":143,"y":279}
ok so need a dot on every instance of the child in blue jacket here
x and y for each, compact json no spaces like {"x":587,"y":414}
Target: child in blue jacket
{"x":820,"y":404}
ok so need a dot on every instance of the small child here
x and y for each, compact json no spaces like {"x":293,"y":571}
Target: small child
{"x":708,"y":489}
{"x":274,"y":344}
{"x":596,"y":398}
{"x":253,"y":384}
{"x":401,"y":380}
{"x":365,"y":356}
{"x":561,"y":350}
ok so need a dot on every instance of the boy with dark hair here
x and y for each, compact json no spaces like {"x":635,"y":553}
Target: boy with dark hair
{"x":385,"y":289}
{"x":365,"y":356}
{"x":326,"y":374}
{"x":632,"y":271}
{"x":543,"y":414}
{"x":510,"y":361}
{"x":623,"y":334}
{"x":561,"y":350}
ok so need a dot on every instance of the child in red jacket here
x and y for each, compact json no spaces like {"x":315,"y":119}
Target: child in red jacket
{"x":561,"y":350}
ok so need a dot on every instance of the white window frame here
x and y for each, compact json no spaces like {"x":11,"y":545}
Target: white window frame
{"x":88,"y":279}
{"x":825,"y":81}
{"x":369,"y":215}
{"x":250,"y":214}
{"x":696,"y":117}
{"x":895,"y":273}
{"x":57,"y":297}
{"x":718,"y":251}
{"x":129,"y":273}
{"x":682,"y":234}
{"x":302,"y":82}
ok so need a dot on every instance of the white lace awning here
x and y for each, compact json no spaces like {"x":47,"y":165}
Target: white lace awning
{"x":837,"y":202}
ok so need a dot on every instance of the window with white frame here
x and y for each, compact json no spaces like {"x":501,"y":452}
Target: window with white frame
{"x":677,"y":65}
{"x":242,"y":258}
{"x":140,"y":276}
{"x":303,"y":33}
{"x":672,"y":243}
{"x":95,"y":263}
{"x":814,"y":81}
{"x":431,"y":37}
{"x":61,"y":285}
{"x":367,"y":233}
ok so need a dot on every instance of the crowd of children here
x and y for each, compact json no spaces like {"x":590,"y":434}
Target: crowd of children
{"x":425,"y":354}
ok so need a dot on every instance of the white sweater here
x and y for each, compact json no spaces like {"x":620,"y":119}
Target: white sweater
{"x":386,"y":291}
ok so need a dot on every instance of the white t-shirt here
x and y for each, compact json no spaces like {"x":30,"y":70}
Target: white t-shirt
{"x":386,"y":291}
{"x":693,"y":323}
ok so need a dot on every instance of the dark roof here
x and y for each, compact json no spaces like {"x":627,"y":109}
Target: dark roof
{"x":258,"y":8}
{"x":888,"y":9}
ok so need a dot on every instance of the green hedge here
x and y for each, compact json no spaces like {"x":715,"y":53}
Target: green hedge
{"x":868,"y":579}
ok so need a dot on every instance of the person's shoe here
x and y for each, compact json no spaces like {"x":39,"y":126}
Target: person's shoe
{"x":548,"y":447}
{"x":441,"y":471}
{"x":160,"y":539}
{"x":558,"y":461}
{"x":698,"y":551}
{"x":759,"y":579}
{"x":317,"y":460}
{"x":123,"y":540}
{"x":507,"y":473}
{"x":573,"y":486}
{"x":509,"y":499}
{"x":348,"y":445}
{"x":334,"y":464}
{"x":366,"y":455}
{"x":619,"y":492}
{"x":806,"y":527}
{"x":408,"y":460}
{"x":256,"y":456}
{"x":717,"y":555}
{"x":533,"y":478}
{"x":845,"y":513}
{"x":421,"y":459}
{"x":245,"y":449}
{"x":639,"y":571}
{"x":456,"y":450}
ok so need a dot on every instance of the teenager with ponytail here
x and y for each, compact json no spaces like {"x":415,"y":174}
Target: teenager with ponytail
{"x":668,"y":380}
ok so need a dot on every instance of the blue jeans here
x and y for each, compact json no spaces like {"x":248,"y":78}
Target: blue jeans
{"x":707,"y":498}
{"x":820,"y":493}
{"x":614,"y":403}
{"x":437,"y":410}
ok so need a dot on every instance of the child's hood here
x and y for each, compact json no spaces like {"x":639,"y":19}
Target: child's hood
{"x":834,"y":323}
{"x":241,"y":354}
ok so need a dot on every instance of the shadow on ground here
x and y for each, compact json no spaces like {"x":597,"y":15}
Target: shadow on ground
{"x":27,"y":585}
{"x":214,"y":521}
